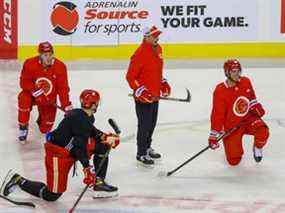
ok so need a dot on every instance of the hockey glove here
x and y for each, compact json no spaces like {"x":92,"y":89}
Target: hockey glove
{"x":111,"y":140}
{"x":143,"y":95}
{"x":257,"y":109}
{"x":89,"y":176}
{"x":165,"y":88}
{"x":213,"y":140}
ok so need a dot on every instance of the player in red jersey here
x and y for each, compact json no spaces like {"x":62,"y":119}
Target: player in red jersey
{"x":42,"y":79}
{"x":235,"y":101}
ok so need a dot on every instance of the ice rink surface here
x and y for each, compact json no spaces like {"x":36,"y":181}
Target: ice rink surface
{"x":206,"y":184}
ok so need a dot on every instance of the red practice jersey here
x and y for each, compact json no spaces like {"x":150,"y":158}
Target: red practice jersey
{"x":231,"y":104}
{"x":145,"y":68}
{"x":53,"y":80}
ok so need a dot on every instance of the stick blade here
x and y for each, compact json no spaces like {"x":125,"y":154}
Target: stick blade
{"x":188,"y":98}
{"x":162,"y":174}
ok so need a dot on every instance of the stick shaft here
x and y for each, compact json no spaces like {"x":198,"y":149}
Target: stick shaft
{"x":206,"y":148}
{"x":187,"y":99}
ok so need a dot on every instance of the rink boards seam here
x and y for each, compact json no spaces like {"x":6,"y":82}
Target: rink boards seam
{"x":170,"y":51}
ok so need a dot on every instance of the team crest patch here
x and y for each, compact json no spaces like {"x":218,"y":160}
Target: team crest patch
{"x":45,"y":84}
{"x":241,"y":106}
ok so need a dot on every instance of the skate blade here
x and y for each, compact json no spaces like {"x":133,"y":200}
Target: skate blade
{"x":142,"y":165}
{"x":102,"y":194}
{"x":157,"y":161}
{"x":23,"y":142}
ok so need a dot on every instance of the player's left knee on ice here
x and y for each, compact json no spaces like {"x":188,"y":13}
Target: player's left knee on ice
{"x":234,"y":161}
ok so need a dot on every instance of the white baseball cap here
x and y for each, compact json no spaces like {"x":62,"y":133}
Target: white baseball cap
{"x":153,"y":31}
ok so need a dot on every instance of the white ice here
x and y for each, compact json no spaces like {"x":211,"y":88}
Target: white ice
{"x":206,"y":184}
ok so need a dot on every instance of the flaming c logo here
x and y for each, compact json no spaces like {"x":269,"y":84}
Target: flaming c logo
{"x":45,"y":84}
{"x":241,"y":106}
{"x":64,"y":18}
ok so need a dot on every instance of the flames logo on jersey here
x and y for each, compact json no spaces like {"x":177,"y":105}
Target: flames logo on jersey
{"x":45,"y":84}
{"x":241,"y":106}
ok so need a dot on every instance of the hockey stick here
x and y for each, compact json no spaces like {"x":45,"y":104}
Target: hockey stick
{"x":118,"y":131}
{"x":59,"y":107}
{"x":187,"y":99}
{"x":163,"y":173}
{"x":19,"y":203}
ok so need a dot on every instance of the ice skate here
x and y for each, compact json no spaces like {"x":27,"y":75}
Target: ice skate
{"x":257,"y":154}
{"x":104,"y":190}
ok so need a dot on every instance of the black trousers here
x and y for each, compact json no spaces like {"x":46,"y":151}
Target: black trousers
{"x":99,"y":153}
{"x":147,"y":118}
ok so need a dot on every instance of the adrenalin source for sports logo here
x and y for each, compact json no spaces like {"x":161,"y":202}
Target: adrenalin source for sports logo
{"x":64,"y":18}
{"x":241,"y":106}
